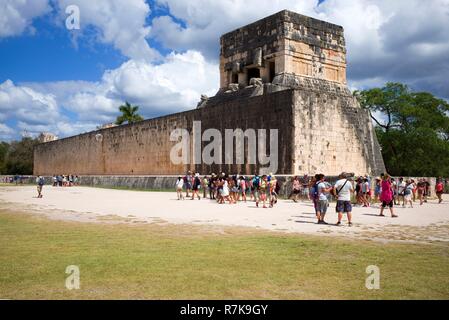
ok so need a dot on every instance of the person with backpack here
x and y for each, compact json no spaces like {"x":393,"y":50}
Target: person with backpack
{"x":320,"y":190}
{"x":40,"y":184}
{"x":196,"y":186}
{"x":343,"y":189}
{"x":255,"y":188}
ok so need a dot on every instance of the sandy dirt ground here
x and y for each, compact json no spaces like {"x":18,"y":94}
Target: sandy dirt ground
{"x":427,"y":223}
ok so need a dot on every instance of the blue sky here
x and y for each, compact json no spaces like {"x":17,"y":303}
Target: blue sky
{"x":67,"y":82}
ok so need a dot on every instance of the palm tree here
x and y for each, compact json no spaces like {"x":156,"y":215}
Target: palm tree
{"x":129,"y":114}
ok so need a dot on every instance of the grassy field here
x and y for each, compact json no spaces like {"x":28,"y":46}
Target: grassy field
{"x":124,"y":261}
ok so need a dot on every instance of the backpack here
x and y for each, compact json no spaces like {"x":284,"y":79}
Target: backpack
{"x":256,"y":182}
{"x":314,"y":191}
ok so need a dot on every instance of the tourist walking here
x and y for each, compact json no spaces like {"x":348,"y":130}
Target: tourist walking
{"x":40,"y":184}
{"x":188,"y":183}
{"x":323,"y":202}
{"x":205,"y":186}
{"x":421,"y":191}
{"x":439,"y":190}
{"x":343,"y":189}
{"x":263,"y":186}
{"x":401,"y":191}
{"x":377,"y":190}
{"x":179,"y":185}
{"x":273,"y":190}
{"x":296,"y":189}
{"x":408,"y":193}
{"x":196,"y":186}
{"x":387,"y":196}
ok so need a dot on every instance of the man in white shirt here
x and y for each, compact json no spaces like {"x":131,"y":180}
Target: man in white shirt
{"x":401,"y":191}
{"x":343,"y":189}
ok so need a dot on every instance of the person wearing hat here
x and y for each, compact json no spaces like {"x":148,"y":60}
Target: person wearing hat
{"x":179,"y":185}
{"x":196,"y":186}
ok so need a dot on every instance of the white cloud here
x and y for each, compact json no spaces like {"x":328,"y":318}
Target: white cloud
{"x":172,"y":86}
{"x":27,"y":104}
{"x":118,"y":22}
{"x":207,"y":20}
{"x":401,"y":40}
{"x":16,"y":15}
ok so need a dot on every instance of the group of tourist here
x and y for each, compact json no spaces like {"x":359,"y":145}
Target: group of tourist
{"x":65,"y":180}
{"x":223,"y":188}
{"x":265,"y":189}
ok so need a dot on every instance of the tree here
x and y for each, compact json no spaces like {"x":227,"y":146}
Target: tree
{"x":4,"y":147}
{"x":19,"y":159}
{"x":412,"y":127}
{"x":129,"y":114}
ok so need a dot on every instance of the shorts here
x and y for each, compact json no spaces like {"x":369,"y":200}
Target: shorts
{"x":322,"y":206}
{"x":389,"y":204}
{"x":344,"y":206}
{"x":188,"y":186}
{"x":296,"y":191}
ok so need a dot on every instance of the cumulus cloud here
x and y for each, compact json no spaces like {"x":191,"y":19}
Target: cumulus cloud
{"x":17,"y":15}
{"x":172,"y":86}
{"x":117,"y":22}
{"x":403,"y":40}
{"x":26,"y":104}
{"x":206,"y":20}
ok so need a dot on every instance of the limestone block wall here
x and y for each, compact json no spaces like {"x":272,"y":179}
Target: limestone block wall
{"x":333,"y":134}
{"x":285,"y":42}
{"x":144,"y":148}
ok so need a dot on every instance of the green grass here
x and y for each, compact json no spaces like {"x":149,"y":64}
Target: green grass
{"x":123,"y":261}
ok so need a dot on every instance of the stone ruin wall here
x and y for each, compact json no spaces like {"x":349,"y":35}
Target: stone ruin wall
{"x":284,"y":43}
{"x":144,"y":148}
{"x":333,"y":134}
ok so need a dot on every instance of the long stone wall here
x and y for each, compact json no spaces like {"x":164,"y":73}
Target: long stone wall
{"x":144,"y":148}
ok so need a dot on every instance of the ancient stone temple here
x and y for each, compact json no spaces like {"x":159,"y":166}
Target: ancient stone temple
{"x":286,"y":72}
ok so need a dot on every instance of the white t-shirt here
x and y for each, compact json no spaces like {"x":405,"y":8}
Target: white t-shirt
{"x":345,"y":193}
{"x":321,"y":194}
{"x":225,"y":189}
{"x":180,"y":183}
{"x":402,"y":186}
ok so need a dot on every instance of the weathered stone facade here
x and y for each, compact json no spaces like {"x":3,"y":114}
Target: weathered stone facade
{"x":284,"y":43}
{"x":284,"y":72}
